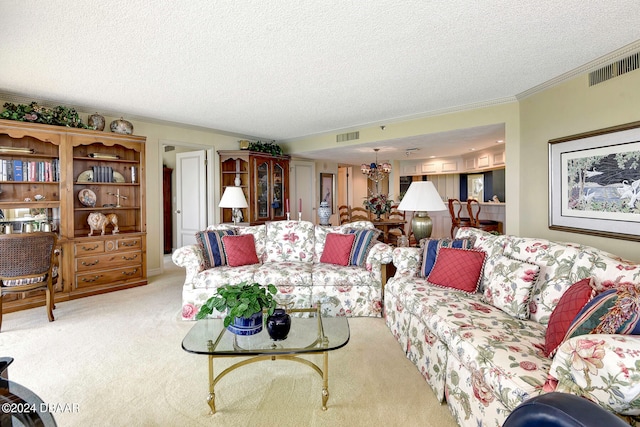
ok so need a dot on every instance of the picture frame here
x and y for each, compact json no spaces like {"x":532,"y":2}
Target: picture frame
{"x":328,"y":190}
{"x":594,"y":182}
{"x":475,"y":186}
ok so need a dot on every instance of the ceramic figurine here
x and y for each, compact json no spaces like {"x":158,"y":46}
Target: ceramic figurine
{"x":99,"y":221}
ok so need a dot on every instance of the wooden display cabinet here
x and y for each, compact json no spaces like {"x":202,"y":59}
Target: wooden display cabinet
{"x":111,"y":167}
{"x":264,"y":180}
{"x":88,"y":264}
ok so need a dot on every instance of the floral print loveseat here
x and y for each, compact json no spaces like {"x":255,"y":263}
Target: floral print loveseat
{"x":484,"y":360}
{"x":289,"y":256}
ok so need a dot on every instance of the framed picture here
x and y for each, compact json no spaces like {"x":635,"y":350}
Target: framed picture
{"x":594,"y":182}
{"x":475,"y":187}
{"x":328,"y":190}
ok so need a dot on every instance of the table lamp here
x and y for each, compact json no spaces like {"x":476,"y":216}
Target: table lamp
{"x":421,"y":197}
{"x":233,"y":198}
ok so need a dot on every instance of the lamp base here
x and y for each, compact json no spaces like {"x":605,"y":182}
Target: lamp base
{"x":422,"y":225}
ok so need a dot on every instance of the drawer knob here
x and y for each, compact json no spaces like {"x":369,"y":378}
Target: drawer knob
{"x":89,"y":264}
{"x":135,"y":270}
{"x":84,"y":248}
{"x":129,"y":259}
{"x":86,"y":280}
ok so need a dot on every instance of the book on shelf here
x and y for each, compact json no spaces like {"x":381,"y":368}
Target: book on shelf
{"x":29,"y":171}
{"x":102,"y":173}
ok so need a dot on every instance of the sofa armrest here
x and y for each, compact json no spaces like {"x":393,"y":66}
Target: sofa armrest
{"x":407,"y":261}
{"x":190,"y":257}
{"x":380,"y":253}
{"x":604,"y":368}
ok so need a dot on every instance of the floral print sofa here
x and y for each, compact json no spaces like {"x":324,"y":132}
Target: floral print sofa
{"x":289,"y":255}
{"x":484,"y":360}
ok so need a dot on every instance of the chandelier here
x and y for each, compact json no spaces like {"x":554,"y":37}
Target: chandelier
{"x":374,"y":171}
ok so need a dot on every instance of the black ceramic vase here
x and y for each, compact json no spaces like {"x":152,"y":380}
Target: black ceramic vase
{"x":278,"y":324}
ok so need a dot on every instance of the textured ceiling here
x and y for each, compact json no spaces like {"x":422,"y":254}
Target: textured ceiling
{"x":284,"y":69}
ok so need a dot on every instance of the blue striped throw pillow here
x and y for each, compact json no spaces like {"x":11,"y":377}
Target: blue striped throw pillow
{"x":362,"y":244}
{"x":212,"y":250}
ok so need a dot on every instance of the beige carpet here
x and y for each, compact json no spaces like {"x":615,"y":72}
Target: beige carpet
{"x":118,"y":359}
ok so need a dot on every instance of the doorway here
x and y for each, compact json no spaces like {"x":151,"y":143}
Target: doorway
{"x":199,"y":211}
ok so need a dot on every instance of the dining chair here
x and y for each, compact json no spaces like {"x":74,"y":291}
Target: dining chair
{"x":27,"y":263}
{"x":457,"y":221}
{"x":395,"y":232}
{"x":473,"y":208}
{"x":344,"y":213}
{"x":359,"y":214}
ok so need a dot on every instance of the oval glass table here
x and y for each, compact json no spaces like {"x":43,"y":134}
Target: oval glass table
{"x":21,"y":406}
{"x":310,"y":333}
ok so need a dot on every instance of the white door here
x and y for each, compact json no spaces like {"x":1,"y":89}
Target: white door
{"x":191,"y":196}
{"x":302,"y":190}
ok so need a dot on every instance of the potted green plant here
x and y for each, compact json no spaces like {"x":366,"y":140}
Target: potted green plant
{"x":243,"y":304}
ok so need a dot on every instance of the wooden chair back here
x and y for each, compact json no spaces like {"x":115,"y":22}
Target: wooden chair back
{"x":395,"y":232}
{"x":360,"y":214}
{"x":473,"y":209}
{"x":457,"y":221}
{"x":344,"y":212}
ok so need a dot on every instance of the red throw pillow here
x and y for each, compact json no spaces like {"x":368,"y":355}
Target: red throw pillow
{"x":570,"y":304}
{"x":240,"y":250}
{"x":459,"y":269}
{"x":337,"y":248}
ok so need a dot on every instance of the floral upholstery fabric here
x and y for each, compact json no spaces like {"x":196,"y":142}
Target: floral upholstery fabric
{"x":289,"y":265}
{"x":345,"y":291}
{"x":603,"y":368}
{"x":509,"y":286}
{"x":290,"y":241}
{"x":485,"y":362}
{"x":558,"y":271}
{"x":285,"y":274}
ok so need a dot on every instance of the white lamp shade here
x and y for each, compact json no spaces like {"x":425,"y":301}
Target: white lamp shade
{"x":233,"y":197}
{"x":422,"y":196}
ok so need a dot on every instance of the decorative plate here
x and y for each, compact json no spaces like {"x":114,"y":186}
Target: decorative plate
{"x":86,"y":176}
{"x":87,"y":198}
{"x":117,"y":177}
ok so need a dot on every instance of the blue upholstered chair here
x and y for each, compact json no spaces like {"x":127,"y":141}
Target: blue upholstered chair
{"x":561,"y":410}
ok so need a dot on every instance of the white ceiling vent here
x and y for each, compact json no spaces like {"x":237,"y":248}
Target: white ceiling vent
{"x":349,"y":136}
{"x":618,"y":68}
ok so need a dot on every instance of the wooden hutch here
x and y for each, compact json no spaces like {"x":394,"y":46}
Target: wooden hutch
{"x":78,"y":172}
{"x":264,"y":179}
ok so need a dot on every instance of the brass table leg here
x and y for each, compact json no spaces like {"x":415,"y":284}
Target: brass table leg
{"x":325,"y":380}
{"x":211,"y":399}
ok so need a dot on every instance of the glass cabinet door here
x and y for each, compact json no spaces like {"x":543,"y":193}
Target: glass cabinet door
{"x":278,"y":190}
{"x":262,"y":190}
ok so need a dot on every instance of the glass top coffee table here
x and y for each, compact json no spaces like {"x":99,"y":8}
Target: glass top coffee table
{"x":308,"y":335}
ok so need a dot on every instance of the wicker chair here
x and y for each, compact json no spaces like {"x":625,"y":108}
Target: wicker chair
{"x":27,"y":264}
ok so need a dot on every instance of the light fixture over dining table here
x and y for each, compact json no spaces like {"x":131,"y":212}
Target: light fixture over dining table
{"x":374,"y":171}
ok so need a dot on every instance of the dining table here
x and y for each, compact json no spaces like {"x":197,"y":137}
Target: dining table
{"x":386,"y":225}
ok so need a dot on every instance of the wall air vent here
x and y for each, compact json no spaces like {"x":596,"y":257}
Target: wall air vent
{"x":349,"y":136}
{"x":618,"y":68}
